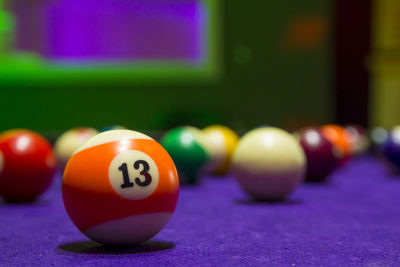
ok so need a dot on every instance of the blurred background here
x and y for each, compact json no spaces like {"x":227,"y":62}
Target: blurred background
{"x":155,"y":64}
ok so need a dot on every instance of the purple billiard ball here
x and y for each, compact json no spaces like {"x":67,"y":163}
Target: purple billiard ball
{"x":322,"y":157}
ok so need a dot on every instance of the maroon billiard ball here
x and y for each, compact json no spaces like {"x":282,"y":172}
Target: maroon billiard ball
{"x":322,"y":156}
{"x":27,"y":165}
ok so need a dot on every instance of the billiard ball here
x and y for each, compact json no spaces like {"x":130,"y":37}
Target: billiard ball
{"x":120,"y":188}
{"x":322,"y":156}
{"x":297,"y":134}
{"x":71,"y":140}
{"x":263,"y":126}
{"x":223,"y":141}
{"x":358,"y":138}
{"x":27,"y":165}
{"x":113,"y":127}
{"x":268,"y":163}
{"x":340,"y":138}
{"x":391,"y":148}
{"x":379,"y":136}
{"x":190,"y":151}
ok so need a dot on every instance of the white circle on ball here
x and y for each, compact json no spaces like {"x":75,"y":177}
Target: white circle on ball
{"x":133,"y":175}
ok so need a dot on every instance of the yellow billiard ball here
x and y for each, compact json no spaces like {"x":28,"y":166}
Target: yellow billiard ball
{"x":223,"y":142}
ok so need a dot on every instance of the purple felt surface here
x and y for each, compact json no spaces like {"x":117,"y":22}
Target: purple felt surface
{"x":352,"y":220}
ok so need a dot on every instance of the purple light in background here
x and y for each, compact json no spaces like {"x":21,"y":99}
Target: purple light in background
{"x":125,"y":30}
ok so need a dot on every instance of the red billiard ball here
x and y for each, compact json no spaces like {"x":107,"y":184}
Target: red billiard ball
{"x":120,"y":188}
{"x":322,"y":156}
{"x":27,"y":165}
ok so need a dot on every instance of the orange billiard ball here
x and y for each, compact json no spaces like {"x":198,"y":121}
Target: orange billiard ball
{"x":27,"y":165}
{"x":340,"y":138}
{"x":120,"y":188}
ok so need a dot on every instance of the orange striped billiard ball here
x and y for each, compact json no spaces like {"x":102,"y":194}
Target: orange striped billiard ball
{"x":120,"y":188}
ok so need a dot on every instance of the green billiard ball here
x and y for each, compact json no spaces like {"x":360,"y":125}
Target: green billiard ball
{"x":190,"y":151}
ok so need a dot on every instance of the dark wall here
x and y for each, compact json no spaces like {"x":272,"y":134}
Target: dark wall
{"x":352,"y":47}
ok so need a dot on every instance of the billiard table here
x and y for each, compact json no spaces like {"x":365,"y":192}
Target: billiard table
{"x":353,"y":219}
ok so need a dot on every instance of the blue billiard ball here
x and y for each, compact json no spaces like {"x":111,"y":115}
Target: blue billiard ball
{"x":391,"y":147}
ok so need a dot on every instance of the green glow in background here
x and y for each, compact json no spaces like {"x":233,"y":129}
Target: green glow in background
{"x":249,"y":79}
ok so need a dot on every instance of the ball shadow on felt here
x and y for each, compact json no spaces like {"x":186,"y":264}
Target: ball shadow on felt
{"x":31,"y":202}
{"x":90,"y":247}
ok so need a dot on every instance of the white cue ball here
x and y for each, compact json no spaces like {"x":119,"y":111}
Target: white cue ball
{"x":269,"y":163}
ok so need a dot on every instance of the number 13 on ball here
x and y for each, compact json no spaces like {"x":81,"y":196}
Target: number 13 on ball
{"x":120,"y":188}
